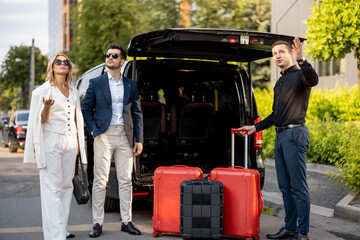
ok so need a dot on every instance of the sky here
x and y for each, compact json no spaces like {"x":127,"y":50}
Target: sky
{"x":20,"y":22}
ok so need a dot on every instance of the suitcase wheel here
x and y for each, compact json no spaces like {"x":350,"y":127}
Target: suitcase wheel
{"x":156,"y":234}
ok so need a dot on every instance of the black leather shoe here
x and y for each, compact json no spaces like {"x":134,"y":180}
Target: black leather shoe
{"x":282,"y":234}
{"x":95,"y":231}
{"x":130,"y":228}
{"x":299,"y":236}
{"x":70,"y":236}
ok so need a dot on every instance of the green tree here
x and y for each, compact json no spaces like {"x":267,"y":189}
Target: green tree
{"x":237,"y":14}
{"x":216,"y":13}
{"x":334,"y":30}
{"x":100,"y":22}
{"x":14,"y":78}
{"x":163,"y":14}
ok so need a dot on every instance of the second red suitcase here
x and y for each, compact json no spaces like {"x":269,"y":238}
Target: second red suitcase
{"x":243,"y":199}
{"x":166,"y":212}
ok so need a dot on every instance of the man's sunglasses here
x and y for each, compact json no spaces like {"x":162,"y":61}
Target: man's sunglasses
{"x":58,"y":62}
{"x":114,"y":55}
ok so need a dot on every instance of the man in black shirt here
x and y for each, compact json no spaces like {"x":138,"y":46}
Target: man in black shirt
{"x":291,"y":98}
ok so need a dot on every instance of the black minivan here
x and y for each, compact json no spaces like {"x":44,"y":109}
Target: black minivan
{"x":195,"y":85}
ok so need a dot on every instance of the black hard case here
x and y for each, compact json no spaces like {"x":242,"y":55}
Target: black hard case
{"x":201,"y":209}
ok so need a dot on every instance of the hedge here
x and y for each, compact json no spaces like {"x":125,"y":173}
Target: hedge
{"x":333,"y":119}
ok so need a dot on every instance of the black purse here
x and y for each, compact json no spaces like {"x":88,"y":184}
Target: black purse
{"x":81,"y":191}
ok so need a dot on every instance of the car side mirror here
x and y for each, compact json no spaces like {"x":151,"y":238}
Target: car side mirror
{"x":6,"y":121}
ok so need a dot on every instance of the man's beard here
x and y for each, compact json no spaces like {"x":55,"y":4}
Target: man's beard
{"x":113,"y":67}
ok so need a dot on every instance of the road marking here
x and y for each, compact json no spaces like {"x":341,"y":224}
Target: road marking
{"x":21,"y":230}
{"x":19,"y":174}
{"x":114,"y":226}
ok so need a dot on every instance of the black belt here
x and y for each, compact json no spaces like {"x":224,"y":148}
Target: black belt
{"x":283,"y":128}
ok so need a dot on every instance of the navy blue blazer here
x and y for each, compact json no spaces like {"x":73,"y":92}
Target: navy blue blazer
{"x":97,"y":108}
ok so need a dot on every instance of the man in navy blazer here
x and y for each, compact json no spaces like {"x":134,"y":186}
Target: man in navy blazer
{"x":112,"y":114}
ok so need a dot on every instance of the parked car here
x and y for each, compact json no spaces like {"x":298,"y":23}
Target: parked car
{"x":195,"y":85}
{"x":14,"y":131}
{"x":3,"y":119}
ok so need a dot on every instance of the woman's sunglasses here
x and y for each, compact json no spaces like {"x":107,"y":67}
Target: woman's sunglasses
{"x":114,"y":55}
{"x":58,"y":62}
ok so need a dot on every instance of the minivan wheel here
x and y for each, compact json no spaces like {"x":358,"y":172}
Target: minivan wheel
{"x":12,"y":146}
{"x":111,"y":204}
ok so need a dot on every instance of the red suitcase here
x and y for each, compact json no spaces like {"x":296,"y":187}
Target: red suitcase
{"x":166,"y":212}
{"x":243,"y":199}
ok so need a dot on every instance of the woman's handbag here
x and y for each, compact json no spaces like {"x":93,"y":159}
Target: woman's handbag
{"x":81,"y":191}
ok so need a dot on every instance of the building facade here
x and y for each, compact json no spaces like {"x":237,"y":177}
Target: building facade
{"x":288,"y":17}
{"x":60,"y":26}
{"x":55,"y":27}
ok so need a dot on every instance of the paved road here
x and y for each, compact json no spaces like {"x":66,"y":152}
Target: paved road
{"x":20,"y":215}
{"x":324,"y":191}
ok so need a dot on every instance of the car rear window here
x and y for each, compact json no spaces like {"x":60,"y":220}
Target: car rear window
{"x":23,"y":117}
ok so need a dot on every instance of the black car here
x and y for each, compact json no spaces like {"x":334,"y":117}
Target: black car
{"x":14,"y":131}
{"x":195,"y":85}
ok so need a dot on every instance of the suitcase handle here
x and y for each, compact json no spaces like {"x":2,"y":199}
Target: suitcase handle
{"x":237,"y":167}
{"x":246,"y":154}
{"x":261,"y":202}
{"x":236,"y":130}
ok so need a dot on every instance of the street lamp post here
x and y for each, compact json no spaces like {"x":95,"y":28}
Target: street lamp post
{"x":32,"y":72}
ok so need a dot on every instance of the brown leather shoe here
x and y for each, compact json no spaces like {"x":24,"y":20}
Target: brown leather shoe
{"x":282,"y":234}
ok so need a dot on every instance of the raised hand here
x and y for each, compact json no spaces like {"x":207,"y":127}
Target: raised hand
{"x":48,"y":102}
{"x":297,"y":47}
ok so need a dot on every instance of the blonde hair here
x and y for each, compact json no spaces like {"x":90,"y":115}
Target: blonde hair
{"x":50,"y":77}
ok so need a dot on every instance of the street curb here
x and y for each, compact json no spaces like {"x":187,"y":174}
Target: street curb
{"x":276,"y":198}
{"x":310,"y":167}
{"x":345,"y":211}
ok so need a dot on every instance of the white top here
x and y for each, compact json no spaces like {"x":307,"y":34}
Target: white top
{"x":34,"y":144}
{"x":62,"y":113}
{"x":117,"y":98}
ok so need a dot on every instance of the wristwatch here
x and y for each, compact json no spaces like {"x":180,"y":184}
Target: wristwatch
{"x":301,"y":60}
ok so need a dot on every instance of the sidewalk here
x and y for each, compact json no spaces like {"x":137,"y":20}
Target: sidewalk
{"x":325,"y":195}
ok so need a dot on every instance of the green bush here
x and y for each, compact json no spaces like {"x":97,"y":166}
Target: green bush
{"x":333,"y":119}
{"x":350,"y":164}
{"x":340,"y":103}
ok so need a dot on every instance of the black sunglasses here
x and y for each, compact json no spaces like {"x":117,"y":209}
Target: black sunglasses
{"x":58,"y":62}
{"x":114,"y":55}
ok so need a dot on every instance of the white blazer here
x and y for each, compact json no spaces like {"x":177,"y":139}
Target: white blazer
{"x":34,"y":143}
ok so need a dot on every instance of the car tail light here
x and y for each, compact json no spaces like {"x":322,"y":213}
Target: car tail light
{"x":141,"y":194}
{"x":258,"y":138}
{"x":18,"y":129}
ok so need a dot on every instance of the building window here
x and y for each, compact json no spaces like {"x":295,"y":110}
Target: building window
{"x":335,"y":67}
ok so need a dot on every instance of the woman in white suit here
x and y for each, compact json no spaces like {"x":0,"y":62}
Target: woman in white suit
{"x":55,"y":136}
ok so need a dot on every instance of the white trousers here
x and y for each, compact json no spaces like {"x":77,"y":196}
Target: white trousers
{"x":56,"y":186}
{"x":113,"y":141}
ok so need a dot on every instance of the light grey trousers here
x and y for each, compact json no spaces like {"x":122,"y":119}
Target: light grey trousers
{"x":113,"y":141}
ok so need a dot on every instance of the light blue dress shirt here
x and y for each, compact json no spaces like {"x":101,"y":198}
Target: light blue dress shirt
{"x":117,"y":98}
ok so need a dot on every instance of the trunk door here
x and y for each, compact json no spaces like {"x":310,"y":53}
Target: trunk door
{"x":212,"y":44}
